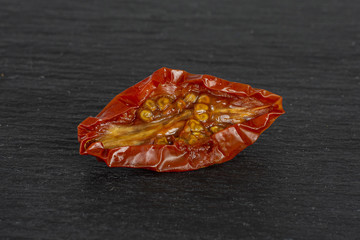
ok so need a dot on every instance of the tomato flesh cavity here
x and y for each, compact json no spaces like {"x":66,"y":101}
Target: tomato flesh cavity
{"x":160,"y":120}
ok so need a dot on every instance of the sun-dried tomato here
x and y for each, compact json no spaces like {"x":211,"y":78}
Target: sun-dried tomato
{"x":177,"y":121}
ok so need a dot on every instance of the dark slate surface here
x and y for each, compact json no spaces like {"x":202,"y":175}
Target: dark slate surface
{"x":62,"y":61}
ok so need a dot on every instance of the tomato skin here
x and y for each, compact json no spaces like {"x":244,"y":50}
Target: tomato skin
{"x":220,"y":147}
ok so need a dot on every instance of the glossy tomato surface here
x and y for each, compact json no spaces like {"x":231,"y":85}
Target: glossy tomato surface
{"x":179,"y":155}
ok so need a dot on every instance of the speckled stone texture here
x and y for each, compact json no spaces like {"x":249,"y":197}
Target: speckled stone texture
{"x":62,"y":61}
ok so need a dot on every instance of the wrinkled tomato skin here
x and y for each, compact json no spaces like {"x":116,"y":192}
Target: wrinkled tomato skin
{"x":219,"y":148}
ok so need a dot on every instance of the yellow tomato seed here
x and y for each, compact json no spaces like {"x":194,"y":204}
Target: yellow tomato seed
{"x":146,"y":115}
{"x":203,"y":117}
{"x":204,"y":99}
{"x":190,"y":98}
{"x":163,"y":103}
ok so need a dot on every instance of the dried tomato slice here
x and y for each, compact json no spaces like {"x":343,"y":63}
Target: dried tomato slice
{"x":177,"y":121}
